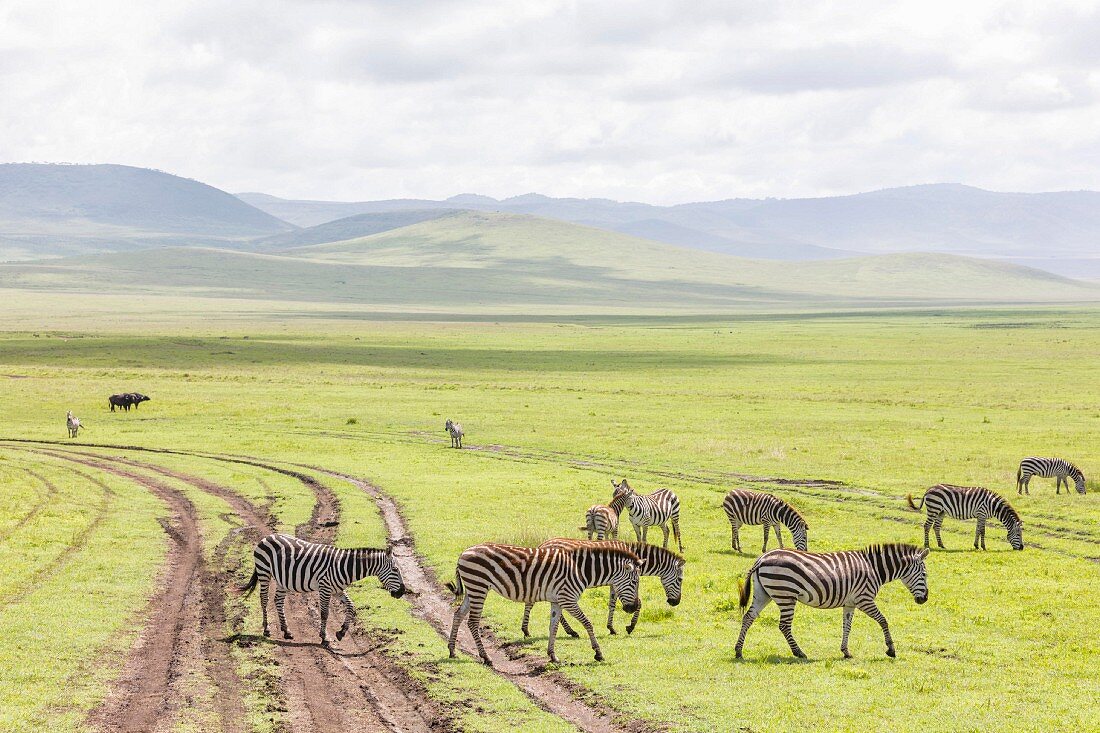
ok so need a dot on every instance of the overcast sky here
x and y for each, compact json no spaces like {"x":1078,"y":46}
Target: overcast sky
{"x":652,"y":101}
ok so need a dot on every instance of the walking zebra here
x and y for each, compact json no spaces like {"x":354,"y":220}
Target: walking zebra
{"x":456,"y":433}
{"x":554,"y":574}
{"x":649,"y":510}
{"x":298,"y":566}
{"x":831,"y":580}
{"x":72,"y":423}
{"x":601,"y":521}
{"x":969,"y":502}
{"x":743,"y":506}
{"x":659,"y":562}
{"x":1049,"y":468}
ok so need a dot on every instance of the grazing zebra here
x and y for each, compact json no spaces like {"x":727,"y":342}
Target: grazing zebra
{"x":969,"y":502}
{"x":298,"y":566}
{"x":659,"y":562}
{"x":1049,"y":468}
{"x":650,"y":510}
{"x":601,"y":521}
{"x":743,"y":506}
{"x":72,"y":423}
{"x":456,"y":433}
{"x":831,"y":580}
{"x":554,"y":574}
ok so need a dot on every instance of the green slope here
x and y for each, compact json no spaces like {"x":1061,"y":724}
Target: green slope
{"x":469,"y":260}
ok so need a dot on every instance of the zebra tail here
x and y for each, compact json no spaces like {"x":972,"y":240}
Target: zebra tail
{"x":916,"y":507}
{"x":1019,"y":476}
{"x":456,"y":587}
{"x":248,"y":587}
{"x":746,"y":588}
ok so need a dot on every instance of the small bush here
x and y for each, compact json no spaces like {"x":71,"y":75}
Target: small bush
{"x":352,"y":421}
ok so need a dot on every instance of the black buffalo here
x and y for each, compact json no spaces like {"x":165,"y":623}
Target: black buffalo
{"x":126,"y":399}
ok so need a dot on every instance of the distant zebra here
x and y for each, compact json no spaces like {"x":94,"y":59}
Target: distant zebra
{"x":649,"y":510}
{"x":743,"y":506}
{"x":1049,"y":468}
{"x":831,"y":580}
{"x":553,"y":574}
{"x":601,"y":521}
{"x":661,"y":563}
{"x":969,"y":502}
{"x":72,"y":424}
{"x":456,"y":433}
{"x":298,"y":566}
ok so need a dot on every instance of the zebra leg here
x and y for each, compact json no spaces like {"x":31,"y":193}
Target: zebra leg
{"x":849,"y":611}
{"x":555,"y":616}
{"x":735,"y":542}
{"x":760,"y":599}
{"x":326,"y":601}
{"x":526,"y":619}
{"x":676,"y":532}
{"x":937,"y":525}
{"x":349,"y":607}
{"x":639,"y":532}
{"x":979,"y":532}
{"x":474,"y":622}
{"x":778,"y":535}
{"x":786,"y":621}
{"x":460,"y":613}
{"x":927,"y":526}
{"x":263,"y":603}
{"x":664,"y":528}
{"x":611,"y":611}
{"x":575,"y":611}
{"x":280,"y":598}
{"x":767,"y":528}
{"x":871,"y":610}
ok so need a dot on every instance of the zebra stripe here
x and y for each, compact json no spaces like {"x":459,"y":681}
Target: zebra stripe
{"x":831,"y":580}
{"x":649,"y":510}
{"x":1056,"y":468}
{"x":969,"y":502}
{"x":72,"y":423}
{"x":601,"y":521}
{"x":528,"y":575}
{"x":294,"y":565}
{"x":661,"y":563}
{"x":743,"y":506}
{"x":456,"y":433}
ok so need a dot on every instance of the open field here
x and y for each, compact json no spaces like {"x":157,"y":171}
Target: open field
{"x":842,"y":414}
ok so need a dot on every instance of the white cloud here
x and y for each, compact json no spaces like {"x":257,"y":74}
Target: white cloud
{"x":656,"y":101}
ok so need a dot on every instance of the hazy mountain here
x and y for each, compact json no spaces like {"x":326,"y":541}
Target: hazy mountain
{"x":349,"y":227}
{"x":49,"y":210}
{"x":940,"y":218}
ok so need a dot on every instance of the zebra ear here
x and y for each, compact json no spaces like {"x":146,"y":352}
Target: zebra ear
{"x":641,"y":563}
{"x":924,"y":553}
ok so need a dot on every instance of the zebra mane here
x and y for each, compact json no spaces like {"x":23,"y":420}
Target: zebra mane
{"x":642,"y":548}
{"x":903,"y":549}
{"x":1010,"y":510}
{"x":789,"y":508}
{"x":618,"y":549}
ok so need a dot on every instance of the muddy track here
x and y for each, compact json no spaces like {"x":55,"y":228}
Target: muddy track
{"x":433,"y":604}
{"x":351,"y":687}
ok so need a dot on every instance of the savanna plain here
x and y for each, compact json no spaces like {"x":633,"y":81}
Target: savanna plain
{"x":841,"y":414}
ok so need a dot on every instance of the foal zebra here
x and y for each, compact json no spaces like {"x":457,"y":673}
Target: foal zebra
{"x":661,"y":563}
{"x":456,"y":433}
{"x":831,"y":580}
{"x":1049,"y":468}
{"x":556,"y":574}
{"x":72,"y":423}
{"x":601,"y":521}
{"x":743,"y":506}
{"x":295,"y":565}
{"x":969,"y":502}
{"x":648,"y":510}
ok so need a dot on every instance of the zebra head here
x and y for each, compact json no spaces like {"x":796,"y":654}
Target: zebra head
{"x":800,"y":533}
{"x":914,"y":575}
{"x":1015,"y":534}
{"x":1079,"y":481}
{"x":448,"y":425}
{"x":621,"y":497}
{"x":390,"y":574}
{"x":624,"y":580}
{"x":670,"y":568}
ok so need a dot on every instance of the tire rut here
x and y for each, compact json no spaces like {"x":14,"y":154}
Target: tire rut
{"x":36,"y":508}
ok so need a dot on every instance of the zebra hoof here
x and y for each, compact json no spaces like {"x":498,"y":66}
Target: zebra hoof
{"x":737,"y":654}
{"x":630,"y":630}
{"x":800,"y":654}
{"x":287,"y":635}
{"x":847,"y":655}
{"x":891,"y":653}
{"x":611,"y":630}
{"x":599,"y":656}
{"x":573,"y":634}
{"x":451,"y":653}
{"x":340,"y":634}
{"x":487,"y":662}
{"x":267,"y":633}
{"x":526,"y":634}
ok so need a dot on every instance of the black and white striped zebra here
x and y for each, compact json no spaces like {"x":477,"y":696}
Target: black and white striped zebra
{"x":969,"y":502}
{"x":72,"y":423}
{"x":648,"y":510}
{"x":529,"y":575}
{"x":743,"y":506}
{"x":847,"y":580}
{"x":602,"y":522}
{"x":659,"y":562}
{"x":1056,"y":468}
{"x":294,"y":565}
{"x":456,"y":433}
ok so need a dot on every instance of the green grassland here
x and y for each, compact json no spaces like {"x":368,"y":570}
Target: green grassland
{"x":886,"y":402}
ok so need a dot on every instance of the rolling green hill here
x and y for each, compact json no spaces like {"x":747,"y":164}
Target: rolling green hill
{"x":469,"y":260}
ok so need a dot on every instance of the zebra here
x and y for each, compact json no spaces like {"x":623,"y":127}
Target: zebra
{"x":299,"y":566}
{"x":969,"y":502}
{"x":664,"y":564}
{"x":743,"y":506}
{"x":601,"y":521}
{"x":554,"y":574}
{"x":1049,"y":468}
{"x":831,"y":580}
{"x":649,"y":510}
{"x":72,"y":423}
{"x":456,"y":433}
